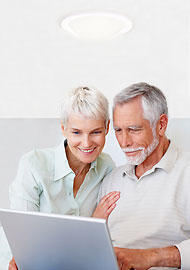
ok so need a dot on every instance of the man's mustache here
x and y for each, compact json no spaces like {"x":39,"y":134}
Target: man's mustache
{"x":129,"y":149}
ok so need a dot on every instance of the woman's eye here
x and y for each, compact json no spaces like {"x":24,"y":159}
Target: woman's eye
{"x":75,"y":132}
{"x":97,"y":132}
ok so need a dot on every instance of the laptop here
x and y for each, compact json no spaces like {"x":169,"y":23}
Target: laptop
{"x":58,"y":242}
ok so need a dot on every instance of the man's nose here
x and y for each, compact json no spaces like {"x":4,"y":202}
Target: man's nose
{"x":126,"y":140}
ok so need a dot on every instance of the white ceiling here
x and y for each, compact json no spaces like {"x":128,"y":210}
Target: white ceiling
{"x":39,"y":61}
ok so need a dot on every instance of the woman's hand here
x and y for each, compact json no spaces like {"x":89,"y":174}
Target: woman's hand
{"x":12,"y":265}
{"x":106,"y":205}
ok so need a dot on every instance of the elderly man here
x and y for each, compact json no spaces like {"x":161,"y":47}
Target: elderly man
{"x":150,"y":226}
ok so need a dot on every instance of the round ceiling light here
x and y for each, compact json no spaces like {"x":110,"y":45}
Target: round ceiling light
{"x":96,"y":25}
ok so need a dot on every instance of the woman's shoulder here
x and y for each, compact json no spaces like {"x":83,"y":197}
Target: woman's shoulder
{"x":39,"y":157}
{"x":104,"y":156}
{"x":106,"y":159}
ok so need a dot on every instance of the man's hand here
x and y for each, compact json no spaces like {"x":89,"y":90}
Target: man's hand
{"x":106,"y":205}
{"x":134,"y":259}
{"x":12,"y":265}
{"x":143,"y":259}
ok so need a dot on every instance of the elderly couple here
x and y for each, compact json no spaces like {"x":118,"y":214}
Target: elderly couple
{"x":146,"y":202}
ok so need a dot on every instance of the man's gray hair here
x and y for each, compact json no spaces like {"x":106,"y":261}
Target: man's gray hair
{"x":153,"y":100}
{"x":86,"y":101}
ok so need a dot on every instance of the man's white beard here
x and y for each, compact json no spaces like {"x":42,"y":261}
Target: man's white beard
{"x":144,"y":152}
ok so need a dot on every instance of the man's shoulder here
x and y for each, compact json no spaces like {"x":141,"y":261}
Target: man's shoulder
{"x":115,"y":174}
{"x":183,"y":157}
{"x":112,"y":181}
{"x":175,"y":157}
{"x":184,"y":154}
{"x":183,"y":160}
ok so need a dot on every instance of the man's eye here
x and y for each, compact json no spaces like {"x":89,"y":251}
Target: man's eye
{"x":97,"y":132}
{"x":134,"y":130}
{"x":117,"y":130}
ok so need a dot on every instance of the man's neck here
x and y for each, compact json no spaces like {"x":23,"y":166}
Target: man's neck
{"x":154,"y":158}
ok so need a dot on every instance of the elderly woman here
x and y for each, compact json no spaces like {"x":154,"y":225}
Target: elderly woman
{"x":66,"y":179}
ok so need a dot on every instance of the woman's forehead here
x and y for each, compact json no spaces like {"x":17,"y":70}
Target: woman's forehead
{"x":77,"y":120}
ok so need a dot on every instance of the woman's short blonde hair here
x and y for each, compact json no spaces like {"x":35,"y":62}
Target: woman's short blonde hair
{"x":86,"y":101}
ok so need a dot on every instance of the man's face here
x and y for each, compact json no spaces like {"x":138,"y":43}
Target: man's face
{"x":133,"y":132}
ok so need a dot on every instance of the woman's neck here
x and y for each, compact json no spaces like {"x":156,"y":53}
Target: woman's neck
{"x":77,"y":166}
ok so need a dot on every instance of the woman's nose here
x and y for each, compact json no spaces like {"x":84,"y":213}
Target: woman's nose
{"x":86,"y":141}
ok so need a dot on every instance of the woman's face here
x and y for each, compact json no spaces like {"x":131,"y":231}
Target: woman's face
{"x":85,"y":137}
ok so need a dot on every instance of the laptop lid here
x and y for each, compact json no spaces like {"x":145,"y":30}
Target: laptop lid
{"x":57,"y":242}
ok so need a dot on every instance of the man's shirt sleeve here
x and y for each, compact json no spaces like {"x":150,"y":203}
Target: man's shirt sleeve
{"x":184,"y":249}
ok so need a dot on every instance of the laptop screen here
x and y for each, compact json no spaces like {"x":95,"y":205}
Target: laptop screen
{"x":47,"y":241}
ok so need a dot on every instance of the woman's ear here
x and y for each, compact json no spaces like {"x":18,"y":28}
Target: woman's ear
{"x":162,"y":124}
{"x":107,"y":129}
{"x":63,"y":129}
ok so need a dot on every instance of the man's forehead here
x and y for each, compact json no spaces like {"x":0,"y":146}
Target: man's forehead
{"x":134,"y":104}
{"x":128,"y":111}
{"x":137,"y":100}
{"x":129,"y":119}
